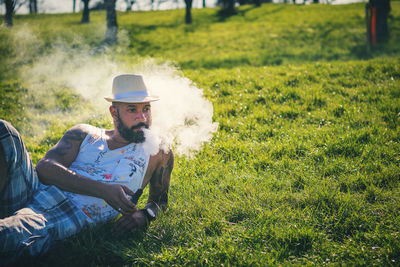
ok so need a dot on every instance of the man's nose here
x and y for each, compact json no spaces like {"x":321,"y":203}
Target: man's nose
{"x":142,"y":117}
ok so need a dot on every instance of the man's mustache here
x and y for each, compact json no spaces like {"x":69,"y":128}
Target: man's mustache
{"x":140,"y":124}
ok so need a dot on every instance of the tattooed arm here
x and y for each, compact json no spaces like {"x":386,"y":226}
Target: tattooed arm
{"x":53,"y":169}
{"x":67,"y":149}
{"x":158,"y":196}
{"x":159,"y":184}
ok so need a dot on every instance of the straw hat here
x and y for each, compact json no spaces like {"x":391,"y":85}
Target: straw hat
{"x":130,"y":88}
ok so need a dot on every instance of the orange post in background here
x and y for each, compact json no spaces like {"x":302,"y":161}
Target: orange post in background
{"x":373,"y":26}
{"x":370,"y":17}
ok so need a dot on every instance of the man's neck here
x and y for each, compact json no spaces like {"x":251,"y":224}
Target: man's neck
{"x":116,"y":141}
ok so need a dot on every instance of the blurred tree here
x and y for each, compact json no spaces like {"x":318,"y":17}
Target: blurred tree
{"x":129,"y":4}
{"x":10,"y":5}
{"x":73,"y":6}
{"x":85,"y":14}
{"x":248,"y":2}
{"x":382,"y":13}
{"x":20,"y":3}
{"x":112,"y":26}
{"x":98,"y":5}
{"x":33,"y":6}
{"x":228,"y":7}
{"x":188,"y":14}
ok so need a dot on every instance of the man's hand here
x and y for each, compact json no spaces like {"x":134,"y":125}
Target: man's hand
{"x":115,"y":196}
{"x":130,"y":223}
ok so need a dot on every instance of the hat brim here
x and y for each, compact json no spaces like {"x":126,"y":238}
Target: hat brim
{"x":132,"y":99}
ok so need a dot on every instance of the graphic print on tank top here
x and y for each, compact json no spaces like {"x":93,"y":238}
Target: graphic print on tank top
{"x":125,"y":166}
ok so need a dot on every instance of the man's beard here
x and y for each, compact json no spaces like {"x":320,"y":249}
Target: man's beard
{"x":128,"y":134}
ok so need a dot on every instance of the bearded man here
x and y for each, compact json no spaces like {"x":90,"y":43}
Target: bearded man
{"x":91,"y":175}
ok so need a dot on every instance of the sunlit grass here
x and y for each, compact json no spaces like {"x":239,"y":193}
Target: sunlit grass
{"x":305,"y":166}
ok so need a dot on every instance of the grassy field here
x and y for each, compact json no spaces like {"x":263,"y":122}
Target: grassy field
{"x":305,"y":166}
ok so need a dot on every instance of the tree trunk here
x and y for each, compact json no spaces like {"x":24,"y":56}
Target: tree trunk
{"x":129,"y":4}
{"x":204,"y":3}
{"x":231,"y":7}
{"x":228,"y":8}
{"x":112,"y":26}
{"x":33,"y":6}
{"x":85,"y":14}
{"x":73,"y":6}
{"x":188,"y":15}
{"x":10,"y":4}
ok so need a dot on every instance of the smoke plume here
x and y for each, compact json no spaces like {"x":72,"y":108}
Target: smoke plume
{"x":182,"y":118}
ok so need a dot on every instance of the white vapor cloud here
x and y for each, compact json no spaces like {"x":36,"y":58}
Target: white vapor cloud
{"x":182,"y":118}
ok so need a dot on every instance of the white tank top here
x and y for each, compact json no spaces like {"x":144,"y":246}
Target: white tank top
{"x":126,"y":166}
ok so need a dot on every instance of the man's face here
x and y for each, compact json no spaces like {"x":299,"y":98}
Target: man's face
{"x":131,"y":119}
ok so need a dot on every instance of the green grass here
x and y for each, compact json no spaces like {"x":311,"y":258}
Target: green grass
{"x":305,"y":166}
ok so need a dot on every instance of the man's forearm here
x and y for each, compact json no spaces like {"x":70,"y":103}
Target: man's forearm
{"x":156,"y":206}
{"x":159,"y":184}
{"x":51,"y":172}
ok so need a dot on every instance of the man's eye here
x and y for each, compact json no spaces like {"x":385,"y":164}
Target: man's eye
{"x":132,"y":110}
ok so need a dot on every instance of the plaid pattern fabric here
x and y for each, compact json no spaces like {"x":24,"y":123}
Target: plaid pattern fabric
{"x":19,"y":190}
{"x":34,"y":215}
{"x":61,"y":214}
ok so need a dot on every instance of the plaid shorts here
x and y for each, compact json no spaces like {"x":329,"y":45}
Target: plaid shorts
{"x":19,"y":190}
{"x":32,"y":215}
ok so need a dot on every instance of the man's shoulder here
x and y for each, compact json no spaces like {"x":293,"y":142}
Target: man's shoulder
{"x":80,"y":131}
{"x":85,"y":128}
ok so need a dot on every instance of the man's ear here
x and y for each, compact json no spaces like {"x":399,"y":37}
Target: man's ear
{"x":114,"y":112}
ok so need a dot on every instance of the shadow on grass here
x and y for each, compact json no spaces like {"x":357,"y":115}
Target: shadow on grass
{"x":243,"y":11}
{"x":356,"y":52}
{"x":96,"y":246}
{"x":361,"y":52}
{"x":230,"y":63}
{"x":298,"y":44}
{"x":225,"y":13}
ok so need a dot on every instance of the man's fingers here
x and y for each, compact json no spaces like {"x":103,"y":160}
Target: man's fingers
{"x":121,"y":224}
{"x":119,"y":201}
{"x":118,"y":226}
{"x":124,"y":224}
{"x":127,"y":190}
{"x":124,"y":207}
{"x":128,"y":206}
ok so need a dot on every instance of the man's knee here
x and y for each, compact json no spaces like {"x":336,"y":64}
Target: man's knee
{"x":24,"y":233}
{"x":4,"y":135}
{"x":13,"y":148}
{"x":3,"y":169}
{"x":18,"y":179}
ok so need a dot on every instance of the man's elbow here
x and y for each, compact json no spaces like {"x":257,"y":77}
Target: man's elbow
{"x":42,"y":165}
{"x":43,"y":168}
